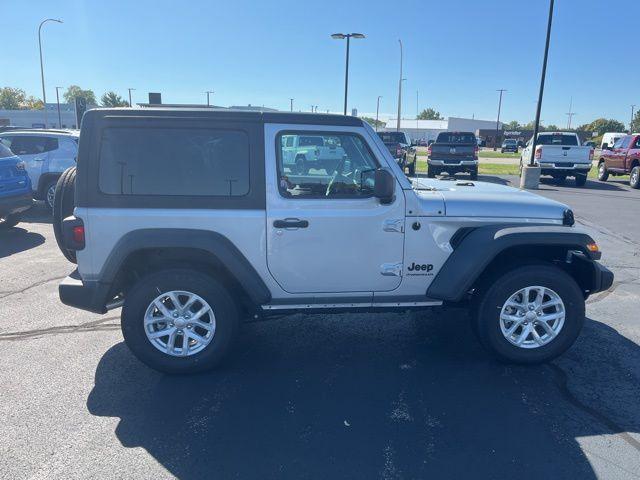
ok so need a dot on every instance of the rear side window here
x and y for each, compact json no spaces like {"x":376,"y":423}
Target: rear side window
{"x":31,"y":145}
{"x":557,"y":139}
{"x":174,"y":161}
{"x":452,"y":137}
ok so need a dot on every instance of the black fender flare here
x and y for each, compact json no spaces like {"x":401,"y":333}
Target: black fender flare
{"x":475,"y":248}
{"x":208,"y":241}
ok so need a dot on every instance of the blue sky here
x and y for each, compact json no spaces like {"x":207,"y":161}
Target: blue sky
{"x":457,"y":53}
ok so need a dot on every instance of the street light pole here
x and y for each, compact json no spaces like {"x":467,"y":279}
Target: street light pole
{"x":130,"y":102}
{"x":399,"y":90}
{"x":536,"y":126}
{"x":58,"y":102}
{"x":377,"y":110}
{"x":631,"y":124}
{"x":417,"y":111}
{"x":291,"y":101}
{"x":348,"y":36}
{"x":495,"y":140}
{"x":208,"y":92}
{"x":44,"y":93}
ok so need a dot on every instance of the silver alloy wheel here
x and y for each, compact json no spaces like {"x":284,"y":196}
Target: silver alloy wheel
{"x":51,"y":195}
{"x":179,"y":323}
{"x":532,"y":317}
{"x":601,"y":169}
{"x":634,"y":176}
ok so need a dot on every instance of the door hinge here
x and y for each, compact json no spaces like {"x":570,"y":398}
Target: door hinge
{"x":395,"y":225}
{"x":391,"y":269}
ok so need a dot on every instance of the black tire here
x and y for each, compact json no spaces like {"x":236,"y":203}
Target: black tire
{"x":634,"y":177}
{"x":603,"y":173}
{"x":491,"y":301}
{"x":146,"y":290}
{"x":474,"y":174}
{"x":561,"y":180}
{"x":9,"y":221}
{"x":432,"y":172}
{"x":412,"y":169}
{"x":63,"y":204}
{"x":581,"y":179}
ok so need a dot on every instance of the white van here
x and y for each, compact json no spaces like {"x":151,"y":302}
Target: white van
{"x":609,"y":138}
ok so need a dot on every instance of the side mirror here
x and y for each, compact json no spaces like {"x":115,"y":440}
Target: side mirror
{"x":385,"y":186}
{"x":605,"y":146}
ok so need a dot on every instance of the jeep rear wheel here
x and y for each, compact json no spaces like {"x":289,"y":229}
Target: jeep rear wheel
{"x":179,"y":321}
{"x":63,"y":204}
{"x":530,"y":315}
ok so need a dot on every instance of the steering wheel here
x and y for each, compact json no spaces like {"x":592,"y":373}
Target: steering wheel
{"x":338,"y":175}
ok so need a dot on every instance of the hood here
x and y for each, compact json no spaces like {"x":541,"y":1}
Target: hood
{"x":482,"y":199}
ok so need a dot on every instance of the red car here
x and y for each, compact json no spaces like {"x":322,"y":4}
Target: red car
{"x":622,"y":159}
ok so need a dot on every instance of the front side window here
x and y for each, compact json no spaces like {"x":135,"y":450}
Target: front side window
{"x":334,"y":165}
{"x":174,"y":161}
{"x":625,"y":141}
{"x":30,"y":145}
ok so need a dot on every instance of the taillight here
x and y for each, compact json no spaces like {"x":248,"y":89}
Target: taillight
{"x":475,"y":152}
{"x":78,"y":234}
{"x":399,"y":151}
{"x":429,"y":150}
{"x":591,"y":155}
{"x":538,"y":155}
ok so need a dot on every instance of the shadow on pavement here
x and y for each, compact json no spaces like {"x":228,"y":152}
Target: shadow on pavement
{"x":39,"y":213}
{"x":16,"y":240}
{"x":368,"y":396}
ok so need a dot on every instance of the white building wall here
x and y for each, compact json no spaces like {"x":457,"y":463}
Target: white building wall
{"x":35,"y":118}
{"x":457,"y":124}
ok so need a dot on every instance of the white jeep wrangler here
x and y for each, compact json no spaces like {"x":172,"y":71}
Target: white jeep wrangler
{"x":191,"y":220}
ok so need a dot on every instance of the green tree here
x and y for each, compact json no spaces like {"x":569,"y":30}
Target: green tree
{"x":32,"y":103}
{"x":11,"y":98}
{"x":75,"y":91}
{"x":430,"y":114}
{"x":635,"y":125}
{"x":512,"y":125}
{"x":552,"y":128}
{"x":112,"y":99}
{"x":602,"y":125}
{"x":374,"y":123}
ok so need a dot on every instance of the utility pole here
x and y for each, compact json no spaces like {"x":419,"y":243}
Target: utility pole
{"x":58,"y":102}
{"x":291,"y":101}
{"x":44,"y":93}
{"x":209,"y":92}
{"x":631,"y":124}
{"x":417,"y":111}
{"x":570,"y":114}
{"x":495,"y":140}
{"x":377,"y":110}
{"x":399,"y":90}
{"x":130,"y":102}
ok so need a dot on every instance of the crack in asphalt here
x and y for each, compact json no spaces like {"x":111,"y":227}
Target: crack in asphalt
{"x":562,"y":382}
{"x":8,"y":293}
{"x":95,"y":326}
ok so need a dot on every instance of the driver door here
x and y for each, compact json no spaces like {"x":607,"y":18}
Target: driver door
{"x":326,"y":233}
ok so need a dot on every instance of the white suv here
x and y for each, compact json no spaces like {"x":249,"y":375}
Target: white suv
{"x":192,"y":220}
{"x":46,"y":154}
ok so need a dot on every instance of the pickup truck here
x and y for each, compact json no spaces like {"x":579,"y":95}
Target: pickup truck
{"x":400,"y":147}
{"x":453,"y":152}
{"x":300,"y":153}
{"x":560,"y":155}
{"x":622,"y":159}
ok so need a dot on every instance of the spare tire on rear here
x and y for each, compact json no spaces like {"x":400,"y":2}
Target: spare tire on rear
{"x":63,"y":204}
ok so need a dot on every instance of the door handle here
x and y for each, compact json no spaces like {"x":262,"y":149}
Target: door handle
{"x":290,"y":223}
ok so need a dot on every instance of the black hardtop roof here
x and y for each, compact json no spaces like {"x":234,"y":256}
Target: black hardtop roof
{"x":231,"y":115}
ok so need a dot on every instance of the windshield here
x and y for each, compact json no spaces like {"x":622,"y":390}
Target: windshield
{"x":557,"y":139}
{"x":392,"y":137}
{"x":456,"y":137}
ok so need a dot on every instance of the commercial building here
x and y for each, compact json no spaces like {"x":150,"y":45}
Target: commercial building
{"x":429,"y":129}
{"x":35,"y":118}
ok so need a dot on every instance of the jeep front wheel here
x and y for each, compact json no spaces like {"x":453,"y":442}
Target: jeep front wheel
{"x":530,"y":315}
{"x":179,"y":321}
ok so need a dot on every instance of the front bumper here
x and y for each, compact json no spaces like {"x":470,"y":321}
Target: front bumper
{"x":85,"y":295}
{"x":15,"y":204}
{"x":602,"y":278}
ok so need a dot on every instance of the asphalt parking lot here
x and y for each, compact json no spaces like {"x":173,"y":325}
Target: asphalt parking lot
{"x":327,"y":396}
